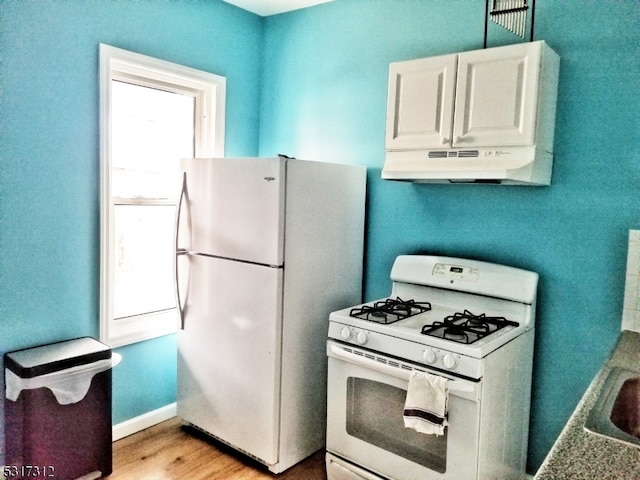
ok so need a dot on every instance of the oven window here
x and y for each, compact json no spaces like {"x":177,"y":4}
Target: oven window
{"x":374,"y":415}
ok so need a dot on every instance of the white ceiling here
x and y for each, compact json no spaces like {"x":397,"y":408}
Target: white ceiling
{"x":271,"y":7}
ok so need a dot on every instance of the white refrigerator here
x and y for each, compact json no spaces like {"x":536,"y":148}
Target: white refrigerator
{"x":266,"y":249}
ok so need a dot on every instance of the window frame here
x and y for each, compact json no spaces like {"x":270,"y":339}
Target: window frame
{"x":210,"y":92}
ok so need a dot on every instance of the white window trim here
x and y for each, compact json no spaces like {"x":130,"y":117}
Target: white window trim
{"x":210,"y":89}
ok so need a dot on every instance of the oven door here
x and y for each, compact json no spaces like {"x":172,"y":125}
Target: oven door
{"x":365,"y":425}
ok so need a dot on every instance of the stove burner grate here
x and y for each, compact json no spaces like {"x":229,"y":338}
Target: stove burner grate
{"x":390,"y":310}
{"x":466,"y":327}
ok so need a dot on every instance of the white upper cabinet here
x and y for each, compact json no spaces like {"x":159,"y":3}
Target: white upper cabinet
{"x":497,"y":95}
{"x":420,"y":106}
{"x":480,"y":115}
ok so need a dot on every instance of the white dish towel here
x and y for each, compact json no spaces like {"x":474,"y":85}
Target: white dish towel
{"x":425,"y":409}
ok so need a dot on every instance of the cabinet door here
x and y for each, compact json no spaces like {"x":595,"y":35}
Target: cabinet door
{"x":420,"y":103}
{"x":497,"y":95}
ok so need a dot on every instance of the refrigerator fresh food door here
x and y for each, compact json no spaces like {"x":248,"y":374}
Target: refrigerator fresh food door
{"x":229,"y":354}
{"x":236,"y":207}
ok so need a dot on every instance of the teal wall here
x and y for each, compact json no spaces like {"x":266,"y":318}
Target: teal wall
{"x":312,"y":84}
{"x":49,"y":159}
{"x":325,"y":87}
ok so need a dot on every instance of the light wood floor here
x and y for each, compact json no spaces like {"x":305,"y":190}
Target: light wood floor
{"x":169,"y":451}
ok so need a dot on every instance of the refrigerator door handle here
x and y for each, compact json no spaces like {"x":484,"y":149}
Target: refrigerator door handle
{"x":180,"y":251}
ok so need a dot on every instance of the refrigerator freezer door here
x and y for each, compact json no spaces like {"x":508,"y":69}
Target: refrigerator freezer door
{"x":229,"y":354}
{"x":236,"y":207}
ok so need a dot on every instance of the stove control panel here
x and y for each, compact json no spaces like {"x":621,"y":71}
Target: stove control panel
{"x":353,"y":335}
{"x":449,"y":361}
{"x":437,"y":358}
{"x":430,"y":356}
{"x":455,"y":272}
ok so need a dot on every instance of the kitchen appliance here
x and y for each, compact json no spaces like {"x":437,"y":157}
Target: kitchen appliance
{"x":468,"y":321}
{"x":482,"y":116}
{"x":267,"y":248}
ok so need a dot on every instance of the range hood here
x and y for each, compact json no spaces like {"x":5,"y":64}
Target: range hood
{"x":484,"y":116}
{"x":506,"y":166}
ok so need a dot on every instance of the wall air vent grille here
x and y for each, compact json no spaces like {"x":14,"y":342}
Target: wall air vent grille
{"x":453,"y":154}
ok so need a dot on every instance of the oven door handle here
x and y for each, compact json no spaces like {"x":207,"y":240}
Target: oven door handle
{"x":453,"y":386}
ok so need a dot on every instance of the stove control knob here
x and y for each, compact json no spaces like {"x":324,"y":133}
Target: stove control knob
{"x":449,"y":361}
{"x":345,"y":333}
{"x":429,"y":355}
{"x":361,"y":338}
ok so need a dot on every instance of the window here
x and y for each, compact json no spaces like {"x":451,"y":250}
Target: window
{"x":152,"y":113}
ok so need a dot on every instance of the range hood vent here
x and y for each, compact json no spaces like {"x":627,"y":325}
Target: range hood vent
{"x":453,"y":154}
{"x":504,"y":166}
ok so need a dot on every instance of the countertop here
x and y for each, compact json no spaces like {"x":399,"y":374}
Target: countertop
{"x":578,"y":454}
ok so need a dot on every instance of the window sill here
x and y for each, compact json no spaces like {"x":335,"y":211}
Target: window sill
{"x":138,"y":329}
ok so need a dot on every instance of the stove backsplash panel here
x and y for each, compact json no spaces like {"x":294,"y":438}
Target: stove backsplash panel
{"x":631,"y":308}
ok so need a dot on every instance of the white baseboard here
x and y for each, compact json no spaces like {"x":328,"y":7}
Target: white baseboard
{"x":149,"y":419}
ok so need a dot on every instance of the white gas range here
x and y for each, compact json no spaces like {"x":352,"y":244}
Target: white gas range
{"x":468,"y":321}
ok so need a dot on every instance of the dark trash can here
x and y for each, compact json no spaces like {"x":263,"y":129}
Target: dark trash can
{"x":58,"y":411}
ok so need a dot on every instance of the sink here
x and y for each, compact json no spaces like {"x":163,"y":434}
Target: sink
{"x":616,"y":413}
